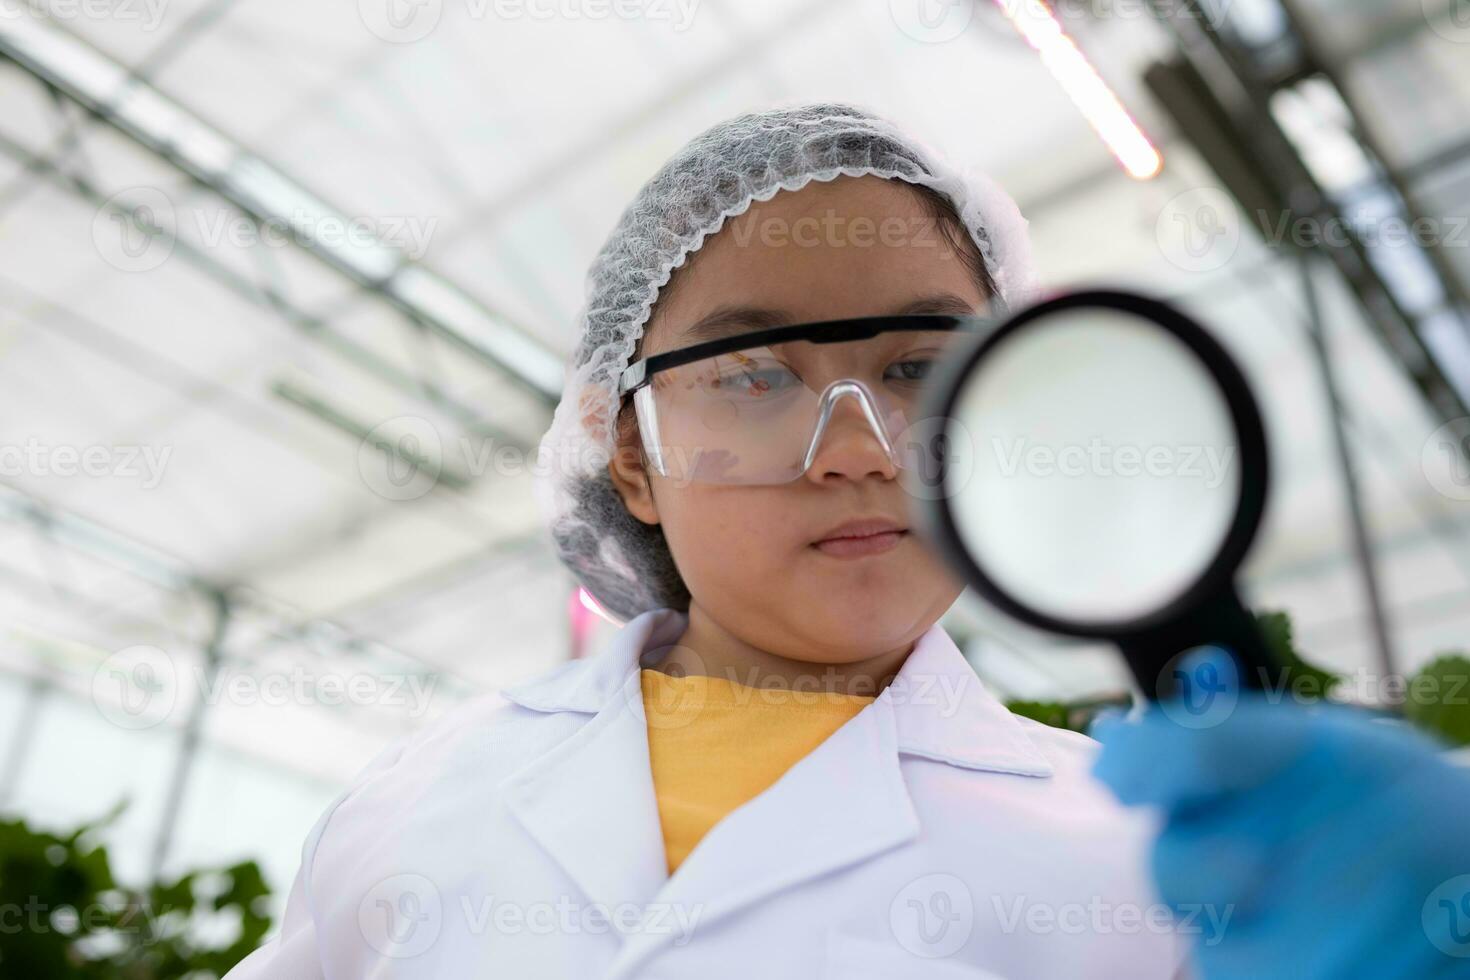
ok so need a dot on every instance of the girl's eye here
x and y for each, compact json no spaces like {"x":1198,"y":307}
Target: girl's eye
{"x":911,"y":371}
{"x":752,"y":382}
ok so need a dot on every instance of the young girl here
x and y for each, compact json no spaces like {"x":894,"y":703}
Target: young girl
{"x":781,"y":766}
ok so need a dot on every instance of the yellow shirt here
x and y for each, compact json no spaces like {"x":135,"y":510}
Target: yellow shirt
{"x":713,"y":744}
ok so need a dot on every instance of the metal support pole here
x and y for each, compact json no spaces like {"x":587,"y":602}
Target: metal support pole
{"x":1362,"y":543}
{"x":21,"y":738}
{"x":189,"y":740}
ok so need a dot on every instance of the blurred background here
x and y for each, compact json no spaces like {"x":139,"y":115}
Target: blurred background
{"x":286,"y":289}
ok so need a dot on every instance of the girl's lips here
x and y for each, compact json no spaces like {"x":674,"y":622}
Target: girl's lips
{"x":860,"y":547}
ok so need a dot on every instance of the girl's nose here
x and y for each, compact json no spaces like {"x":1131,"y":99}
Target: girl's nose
{"x":852,"y":442}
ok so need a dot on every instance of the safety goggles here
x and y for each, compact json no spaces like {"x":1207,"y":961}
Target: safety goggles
{"x":753,"y":408}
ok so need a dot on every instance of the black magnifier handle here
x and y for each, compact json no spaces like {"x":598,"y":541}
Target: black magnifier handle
{"x":1154,"y":654}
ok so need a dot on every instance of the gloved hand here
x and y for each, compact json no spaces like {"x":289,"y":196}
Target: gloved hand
{"x":1337,"y":843}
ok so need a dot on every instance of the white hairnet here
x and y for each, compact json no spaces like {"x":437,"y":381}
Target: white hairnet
{"x":626,"y":564}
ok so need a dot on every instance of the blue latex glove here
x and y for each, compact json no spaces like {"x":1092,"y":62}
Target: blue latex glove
{"x":1337,"y":843}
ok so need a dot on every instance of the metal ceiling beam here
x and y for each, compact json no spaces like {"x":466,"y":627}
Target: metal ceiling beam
{"x":1315,"y":58}
{"x":172,"y":45}
{"x":1250,"y":147}
{"x":89,"y":537}
{"x":319,"y":408}
{"x":417,"y":588}
{"x":1263,"y":167}
{"x":127,"y":103}
{"x":574,"y":159}
{"x":272,"y":300}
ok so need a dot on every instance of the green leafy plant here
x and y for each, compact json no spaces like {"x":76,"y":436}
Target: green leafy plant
{"x":1439,"y":698}
{"x":1307,"y":681}
{"x":63,"y":916}
{"x":1436,"y":698}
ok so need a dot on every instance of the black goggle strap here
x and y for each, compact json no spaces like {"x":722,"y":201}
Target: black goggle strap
{"x":637,"y":374}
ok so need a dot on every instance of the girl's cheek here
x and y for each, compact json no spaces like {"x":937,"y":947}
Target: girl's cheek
{"x":738,"y":517}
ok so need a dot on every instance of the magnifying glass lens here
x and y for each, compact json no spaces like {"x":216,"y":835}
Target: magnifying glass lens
{"x":1100,"y":469}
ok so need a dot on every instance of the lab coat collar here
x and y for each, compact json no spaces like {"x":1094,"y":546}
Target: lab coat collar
{"x":590,"y":802}
{"x":941,"y":709}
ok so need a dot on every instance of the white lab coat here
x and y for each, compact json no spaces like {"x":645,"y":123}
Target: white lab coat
{"x":934,"y":835}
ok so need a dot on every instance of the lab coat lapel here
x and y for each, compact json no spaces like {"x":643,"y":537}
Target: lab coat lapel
{"x":590,"y":801}
{"x":846,"y":801}
{"x":841,"y":804}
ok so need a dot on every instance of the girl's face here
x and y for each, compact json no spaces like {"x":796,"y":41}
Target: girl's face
{"x":845,"y":248}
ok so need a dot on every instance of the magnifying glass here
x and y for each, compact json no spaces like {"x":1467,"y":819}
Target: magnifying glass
{"x":1100,"y":472}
